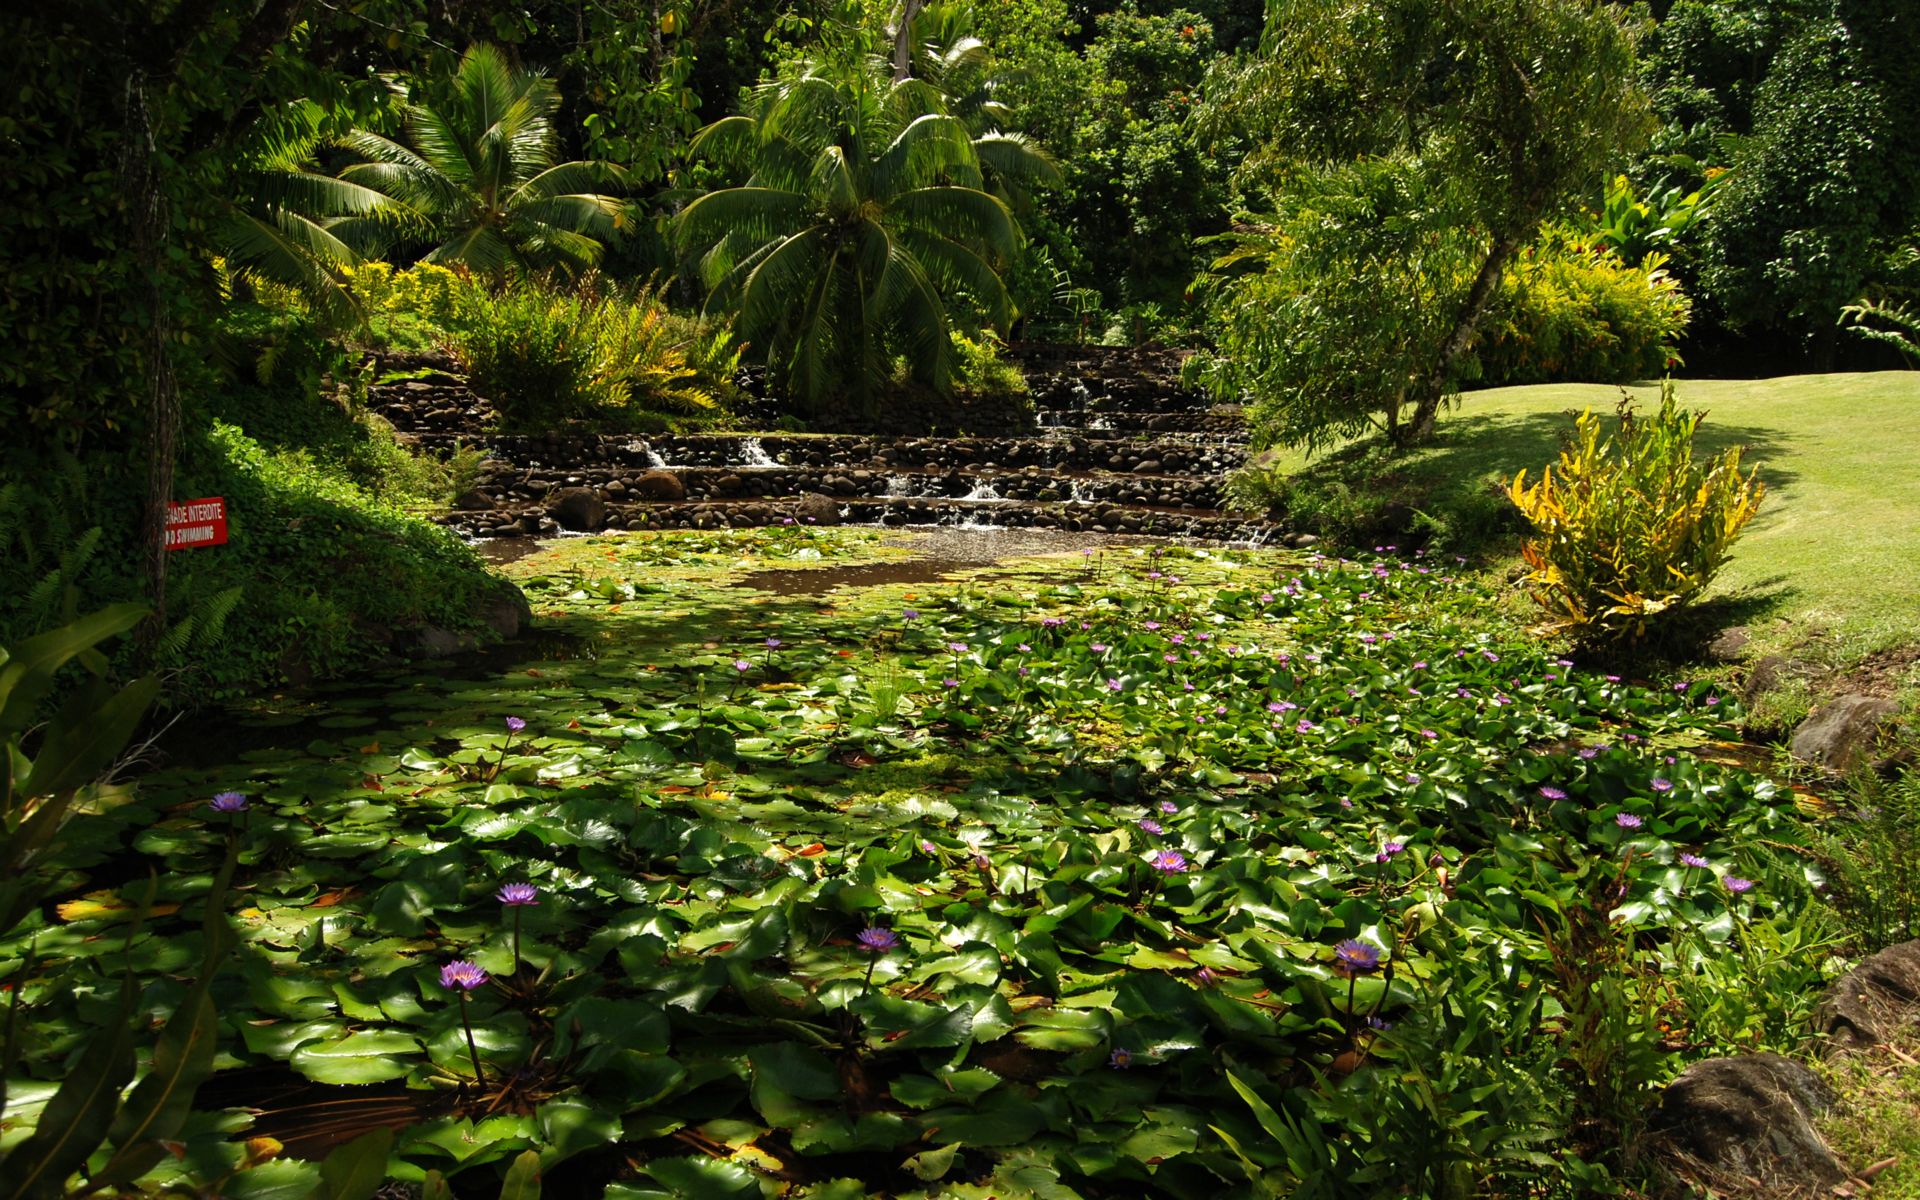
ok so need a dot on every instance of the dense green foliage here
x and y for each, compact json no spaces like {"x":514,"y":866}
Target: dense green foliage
{"x":1391,"y":892}
{"x":862,"y":217}
{"x":1575,"y":313}
{"x":1439,"y":136}
{"x":1630,"y":528}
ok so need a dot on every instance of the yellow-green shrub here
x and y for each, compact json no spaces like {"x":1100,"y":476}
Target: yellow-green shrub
{"x":1630,"y":528}
{"x":1572,"y":312}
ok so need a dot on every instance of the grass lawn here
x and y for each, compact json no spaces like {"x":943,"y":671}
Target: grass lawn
{"x":1831,"y":567}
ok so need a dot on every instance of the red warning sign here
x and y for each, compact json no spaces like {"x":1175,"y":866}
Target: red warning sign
{"x":195,"y":523}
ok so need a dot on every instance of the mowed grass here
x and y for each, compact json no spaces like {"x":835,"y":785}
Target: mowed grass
{"x":1836,"y":548}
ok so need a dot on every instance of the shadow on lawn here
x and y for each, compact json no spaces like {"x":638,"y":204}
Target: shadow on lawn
{"x":1474,"y":445}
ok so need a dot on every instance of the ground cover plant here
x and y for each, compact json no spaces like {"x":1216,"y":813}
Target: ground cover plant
{"x":1150,"y":871}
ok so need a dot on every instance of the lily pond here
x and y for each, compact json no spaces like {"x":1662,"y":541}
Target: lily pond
{"x":1147,"y":870}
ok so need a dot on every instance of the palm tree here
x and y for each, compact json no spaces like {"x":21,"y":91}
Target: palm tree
{"x":864,"y":215}
{"x":278,"y":223}
{"x":476,"y":177}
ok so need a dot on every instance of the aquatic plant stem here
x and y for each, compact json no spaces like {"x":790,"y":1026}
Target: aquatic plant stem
{"x":466,"y":1022}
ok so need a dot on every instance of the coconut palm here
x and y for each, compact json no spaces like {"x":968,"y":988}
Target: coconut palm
{"x":279,"y":218}
{"x":475,"y":177}
{"x":864,"y":215}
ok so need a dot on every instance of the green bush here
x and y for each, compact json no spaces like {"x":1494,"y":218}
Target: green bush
{"x":1569,"y":312}
{"x":1631,"y":529}
{"x":979,"y":370}
{"x":1873,"y":853}
{"x":543,"y":355}
{"x":1365,"y":494}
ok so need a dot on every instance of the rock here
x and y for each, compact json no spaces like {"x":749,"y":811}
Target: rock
{"x":1300,"y":541}
{"x":660,"y":485}
{"x":1750,"y":1116}
{"x":473,"y":500}
{"x":579,"y":509}
{"x":505,"y":610}
{"x":817,"y":509}
{"x":1844,"y":732}
{"x":431,"y":641}
{"x":1730,"y":646}
{"x":1764,"y":676}
{"x":1866,"y":1005}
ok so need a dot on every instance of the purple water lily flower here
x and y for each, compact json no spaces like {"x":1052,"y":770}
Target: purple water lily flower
{"x":1120,"y":1059}
{"x":1152,"y":826}
{"x":1627,"y":820}
{"x":1168,"y":862}
{"x":1169,"y":807}
{"x":1737,"y":885}
{"x":742,"y":665}
{"x":1113,"y":685}
{"x":1552,"y":793}
{"x":878,"y":939}
{"x":515,"y":724}
{"x":1661,"y":785}
{"x":773,"y":643}
{"x":911,"y":614}
{"x":462,"y":975}
{"x":1353,"y":958}
{"x":1694,"y":861}
{"x":229,"y":802}
{"x":516,"y":894}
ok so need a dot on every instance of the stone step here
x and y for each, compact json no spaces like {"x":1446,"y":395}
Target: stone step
{"x":504,"y":483}
{"x":1163,"y":454}
{"x":1198,"y":523}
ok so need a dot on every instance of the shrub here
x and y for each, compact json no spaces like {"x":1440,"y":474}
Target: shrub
{"x":544,"y":355}
{"x":1874,"y":857}
{"x":1631,"y":529}
{"x":1568,"y":312}
{"x":980,"y":371}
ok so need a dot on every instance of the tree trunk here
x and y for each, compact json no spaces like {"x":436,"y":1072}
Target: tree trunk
{"x":1428,"y":392}
{"x":903,"y":40}
{"x":147,"y":220}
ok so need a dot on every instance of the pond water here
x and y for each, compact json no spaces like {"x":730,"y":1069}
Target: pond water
{"x":921,"y":862}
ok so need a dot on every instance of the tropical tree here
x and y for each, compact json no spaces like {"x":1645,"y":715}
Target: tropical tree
{"x":475,"y":177}
{"x":864,"y":217}
{"x":278,"y":223}
{"x":1492,"y":113}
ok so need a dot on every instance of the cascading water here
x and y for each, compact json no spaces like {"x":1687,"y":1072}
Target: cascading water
{"x":1082,"y":492}
{"x":899,"y":487}
{"x":984,"y":489}
{"x":655,"y":461}
{"x":753,"y":454}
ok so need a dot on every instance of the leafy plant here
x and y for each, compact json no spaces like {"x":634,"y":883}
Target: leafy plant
{"x":1631,"y":529}
{"x":1572,"y":312}
{"x":477,"y":178}
{"x":543,"y":353}
{"x":864,"y":215}
{"x":1873,"y":855}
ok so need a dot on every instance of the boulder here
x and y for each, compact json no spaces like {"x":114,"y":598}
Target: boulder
{"x":473,"y":500}
{"x":579,"y":509}
{"x":660,"y":485}
{"x":1866,"y":1005}
{"x":505,"y":610}
{"x":816,"y":509}
{"x":1729,"y":645}
{"x":1746,"y":1117}
{"x":1844,"y":732}
{"x":1764,"y":676}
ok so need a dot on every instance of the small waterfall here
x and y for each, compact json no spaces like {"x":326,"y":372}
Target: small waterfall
{"x":1082,"y":492}
{"x":754,"y":454}
{"x":1099,"y":421}
{"x":899,"y":486}
{"x":655,"y":461}
{"x":984,"y":490}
